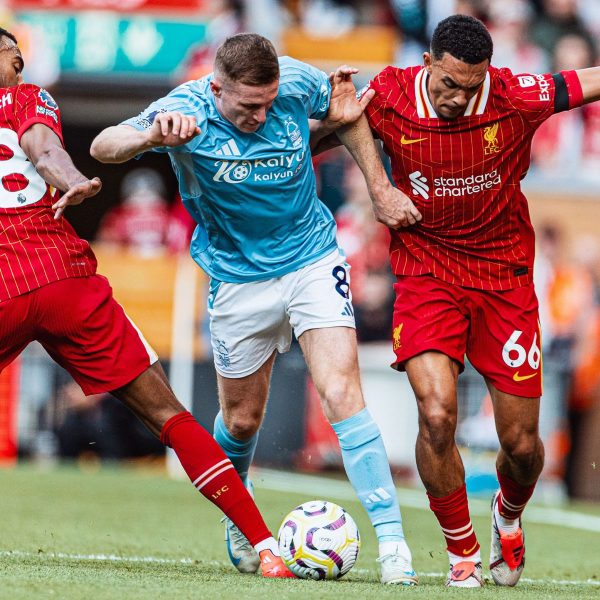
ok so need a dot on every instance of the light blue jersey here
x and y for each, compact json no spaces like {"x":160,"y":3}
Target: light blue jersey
{"x":253,"y":195}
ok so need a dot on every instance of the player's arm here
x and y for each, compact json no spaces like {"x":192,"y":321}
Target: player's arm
{"x":344,"y":108}
{"x":590,"y":84}
{"x":45,"y":151}
{"x":322,"y":138}
{"x":121,"y":143}
{"x":391,"y":206}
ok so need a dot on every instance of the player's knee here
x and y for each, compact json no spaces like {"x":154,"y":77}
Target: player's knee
{"x":521,"y":446}
{"x":243,"y":426}
{"x":341,"y":399}
{"x":437,"y":426}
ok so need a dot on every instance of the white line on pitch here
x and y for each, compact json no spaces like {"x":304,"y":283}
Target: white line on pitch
{"x":216,"y":563}
{"x":592,"y":582}
{"x":342,"y":490}
{"x":106,"y":558}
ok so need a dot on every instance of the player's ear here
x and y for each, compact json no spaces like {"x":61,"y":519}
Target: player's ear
{"x":215,"y":87}
{"x":427,"y":61}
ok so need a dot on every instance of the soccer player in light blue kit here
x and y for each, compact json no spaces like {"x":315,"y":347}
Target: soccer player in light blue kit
{"x":238,"y":141}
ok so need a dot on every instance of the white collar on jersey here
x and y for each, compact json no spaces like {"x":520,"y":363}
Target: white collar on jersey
{"x":425,"y":109}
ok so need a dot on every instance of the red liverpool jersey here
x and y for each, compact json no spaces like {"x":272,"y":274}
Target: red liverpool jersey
{"x":35,"y":249}
{"x":464,"y":174}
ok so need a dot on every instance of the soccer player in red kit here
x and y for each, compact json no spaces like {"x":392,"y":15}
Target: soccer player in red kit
{"x":50,"y":292}
{"x":458,"y":132}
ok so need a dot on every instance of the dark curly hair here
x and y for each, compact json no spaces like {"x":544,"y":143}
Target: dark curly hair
{"x":464,"y":38}
{"x":8,"y":34}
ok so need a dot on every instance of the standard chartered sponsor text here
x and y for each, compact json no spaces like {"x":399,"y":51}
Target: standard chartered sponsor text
{"x":461,"y":186}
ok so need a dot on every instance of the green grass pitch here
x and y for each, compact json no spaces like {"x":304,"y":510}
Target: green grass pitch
{"x":131,"y":534}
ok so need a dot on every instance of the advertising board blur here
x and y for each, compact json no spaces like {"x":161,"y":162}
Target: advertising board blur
{"x":109,"y":44}
{"x":115,"y":5}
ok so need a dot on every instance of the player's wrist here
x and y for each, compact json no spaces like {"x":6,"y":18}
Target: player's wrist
{"x":378,"y":189}
{"x":328,"y":126}
{"x":148,"y":141}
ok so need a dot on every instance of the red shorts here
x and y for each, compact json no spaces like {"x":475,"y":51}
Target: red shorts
{"x":498,"y":331}
{"x":82,"y":327}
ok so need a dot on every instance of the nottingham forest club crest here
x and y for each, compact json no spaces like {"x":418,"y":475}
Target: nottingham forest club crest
{"x":293,"y":132}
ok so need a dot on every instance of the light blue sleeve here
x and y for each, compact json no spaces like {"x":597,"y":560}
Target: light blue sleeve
{"x":308,"y":82}
{"x":181,"y":99}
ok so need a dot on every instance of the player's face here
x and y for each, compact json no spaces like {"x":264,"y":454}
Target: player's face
{"x":11,"y":63}
{"x":452,"y":83}
{"x":245,"y":106}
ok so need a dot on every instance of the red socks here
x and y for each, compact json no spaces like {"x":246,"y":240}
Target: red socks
{"x":513,"y":497}
{"x":452,"y":512}
{"x":213,"y":475}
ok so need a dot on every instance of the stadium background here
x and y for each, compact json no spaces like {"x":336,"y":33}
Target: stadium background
{"x":105,"y":60}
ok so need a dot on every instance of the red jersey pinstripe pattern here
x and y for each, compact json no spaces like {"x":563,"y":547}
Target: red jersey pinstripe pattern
{"x":34,"y":248}
{"x":464,"y":174}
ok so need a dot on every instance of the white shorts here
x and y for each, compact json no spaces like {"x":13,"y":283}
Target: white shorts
{"x":248,"y":321}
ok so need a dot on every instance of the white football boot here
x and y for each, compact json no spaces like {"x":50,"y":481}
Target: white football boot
{"x":465,"y":574}
{"x":396,"y":566}
{"x":507,"y":552}
{"x":242,"y":554}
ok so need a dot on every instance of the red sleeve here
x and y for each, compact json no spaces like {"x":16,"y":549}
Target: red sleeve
{"x":35,"y":105}
{"x":531,"y":94}
{"x":381,"y":84}
{"x":537,"y":97}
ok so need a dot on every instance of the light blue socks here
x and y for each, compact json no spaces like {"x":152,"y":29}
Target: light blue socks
{"x":240,"y":452}
{"x":368,"y":470}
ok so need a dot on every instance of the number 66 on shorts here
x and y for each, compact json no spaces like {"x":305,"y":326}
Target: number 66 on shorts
{"x":498,"y":331}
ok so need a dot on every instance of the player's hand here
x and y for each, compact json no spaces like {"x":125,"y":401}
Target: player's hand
{"x":76,"y":195}
{"x":172,"y":129}
{"x":394,"y":208}
{"x":344,"y":106}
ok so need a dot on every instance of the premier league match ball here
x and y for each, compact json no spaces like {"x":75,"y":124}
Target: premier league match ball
{"x":319,"y":540}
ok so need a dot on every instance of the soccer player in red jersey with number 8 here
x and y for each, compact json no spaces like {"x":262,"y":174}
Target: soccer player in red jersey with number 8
{"x":458,"y":132}
{"x":50,"y":292}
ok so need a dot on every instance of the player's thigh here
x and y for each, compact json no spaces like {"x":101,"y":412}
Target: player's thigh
{"x":331,"y":356}
{"x":504,"y":340}
{"x":318,"y":295}
{"x":248,"y":323}
{"x":150,"y":397}
{"x":429,"y":316}
{"x":87,"y":332}
{"x":17,"y":323}
{"x":243,"y":400}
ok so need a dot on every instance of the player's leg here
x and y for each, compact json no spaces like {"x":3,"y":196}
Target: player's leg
{"x":320,"y":309}
{"x":150,"y":397}
{"x":88,"y":333}
{"x":332,"y":360}
{"x":429,"y":340}
{"x":248,"y":324}
{"x":433,"y":377}
{"x":504,"y":347}
{"x":519,"y":463}
{"x":243,"y":402}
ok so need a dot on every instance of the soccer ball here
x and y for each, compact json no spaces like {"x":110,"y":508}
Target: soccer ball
{"x":319,"y":540}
